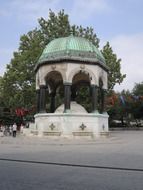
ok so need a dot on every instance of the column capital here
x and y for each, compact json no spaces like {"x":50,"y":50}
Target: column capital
{"x":67,"y":83}
{"x":94,"y":85}
{"x":105,"y":91}
{"x":43,"y":86}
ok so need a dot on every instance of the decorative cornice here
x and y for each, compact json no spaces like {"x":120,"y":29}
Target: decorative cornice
{"x":75,"y":61}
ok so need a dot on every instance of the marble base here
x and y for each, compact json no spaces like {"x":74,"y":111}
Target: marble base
{"x":70,"y":125}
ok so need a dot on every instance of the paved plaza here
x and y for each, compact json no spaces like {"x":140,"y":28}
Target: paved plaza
{"x":110,"y":163}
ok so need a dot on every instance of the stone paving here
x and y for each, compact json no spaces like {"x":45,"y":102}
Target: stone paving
{"x":116,"y":162}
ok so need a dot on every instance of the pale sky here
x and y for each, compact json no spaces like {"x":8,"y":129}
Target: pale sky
{"x":119,"y":22}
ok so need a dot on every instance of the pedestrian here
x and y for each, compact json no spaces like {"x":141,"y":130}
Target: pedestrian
{"x":21,"y":128}
{"x":14,"y":129}
{"x":1,"y":131}
{"x":10,"y":130}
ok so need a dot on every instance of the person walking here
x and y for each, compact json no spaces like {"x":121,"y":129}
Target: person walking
{"x":14,"y":129}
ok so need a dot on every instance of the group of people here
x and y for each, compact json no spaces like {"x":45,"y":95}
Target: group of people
{"x":11,"y":130}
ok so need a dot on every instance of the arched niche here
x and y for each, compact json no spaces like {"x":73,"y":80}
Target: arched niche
{"x":48,"y":70}
{"x":53,"y":80}
{"x":54,"y":83}
{"x":80,"y":89}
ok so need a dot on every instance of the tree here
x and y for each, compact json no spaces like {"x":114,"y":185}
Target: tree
{"x":138,"y":101}
{"x":126,"y":107}
{"x":116,"y":107}
{"x":18,"y":83}
{"x":138,"y":89}
{"x":19,"y":79}
{"x":59,"y":26}
{"x":114,"y":65}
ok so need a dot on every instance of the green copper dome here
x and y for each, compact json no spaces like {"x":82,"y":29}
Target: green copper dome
{"x":71,"y":48}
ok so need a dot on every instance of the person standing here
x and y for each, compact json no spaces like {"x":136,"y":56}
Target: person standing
{"x":14,"y":129}
{"x":1,"y":131}
{"x":21,"y":128}
{"x":10,"y":130}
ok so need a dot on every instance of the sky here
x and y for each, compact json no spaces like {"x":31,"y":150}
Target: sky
{"x":116,"y":21}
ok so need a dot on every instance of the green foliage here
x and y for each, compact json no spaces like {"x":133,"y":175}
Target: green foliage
{"x":138,"y":89}
{"x":138,"y":106}
{"x":59,"y":26}
{"x":83,"y":97}
{"x":114,"y":65}
{"x":1,"y":92}
{"x":130,"y":113}
{"x":19,"y":79}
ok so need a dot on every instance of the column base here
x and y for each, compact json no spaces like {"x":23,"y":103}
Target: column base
{"x":67,"y":111}
{"x":42,"y":111}
{"x":105,"y":113}
{"x":95,"y":111}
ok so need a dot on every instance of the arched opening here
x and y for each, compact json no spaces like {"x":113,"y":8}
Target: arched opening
{"x":54,"y":83}
{"x":80,"y":90}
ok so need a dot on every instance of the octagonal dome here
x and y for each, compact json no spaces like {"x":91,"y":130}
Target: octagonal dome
{"x":71,"y":48}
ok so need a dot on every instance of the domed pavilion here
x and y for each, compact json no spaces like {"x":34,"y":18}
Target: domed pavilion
{"x":65,"y":65}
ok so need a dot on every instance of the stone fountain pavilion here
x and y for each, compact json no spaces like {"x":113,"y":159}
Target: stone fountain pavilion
{"x":65,"y":65}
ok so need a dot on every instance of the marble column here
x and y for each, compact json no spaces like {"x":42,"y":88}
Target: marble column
{"x":103,"y":105}
{"x":73,"y":93}
{"x":67,"y":97}
{"x":42,"y":101}
{"x":94,"y":98}
{"x":38,"y":100}
{"x":52,"y":105}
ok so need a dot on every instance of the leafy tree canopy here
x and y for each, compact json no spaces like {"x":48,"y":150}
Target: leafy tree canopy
{"x":138,"y":89}
{"x":115,"y":76}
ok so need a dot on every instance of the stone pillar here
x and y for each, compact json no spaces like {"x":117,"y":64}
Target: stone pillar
{"x":73,"y":94}
{"x":42,"y":102}
{"x":38,"y":100}
{"x":94,"y":97}
{"x":52,"y":105}
{"x":67,"y":97}
{"x":103,"y":105}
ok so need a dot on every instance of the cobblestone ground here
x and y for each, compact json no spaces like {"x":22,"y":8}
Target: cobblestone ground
{"x":110,"y":163}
